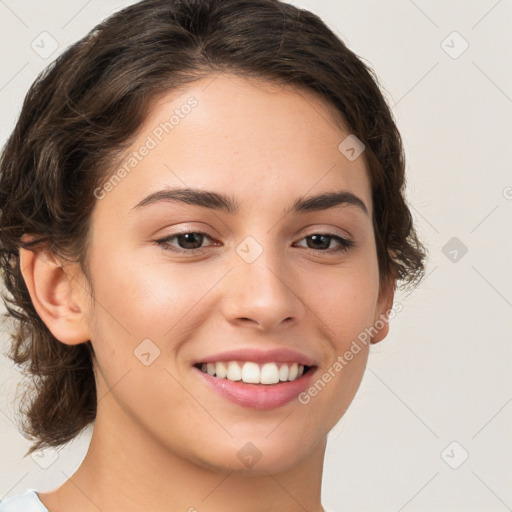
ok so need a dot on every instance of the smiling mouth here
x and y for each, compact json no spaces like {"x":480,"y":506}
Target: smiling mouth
{"x":250,"y":372}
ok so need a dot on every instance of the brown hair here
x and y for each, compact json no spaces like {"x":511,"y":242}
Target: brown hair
{"x":85,"y":108}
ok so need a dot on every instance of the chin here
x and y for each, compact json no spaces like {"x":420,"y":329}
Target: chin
{"x":258,"y":455}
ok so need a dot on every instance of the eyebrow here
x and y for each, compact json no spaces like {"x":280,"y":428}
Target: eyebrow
{"x":228,"y":204}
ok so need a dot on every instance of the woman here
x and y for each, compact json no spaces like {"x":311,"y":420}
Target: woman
{"x":203,"y":225}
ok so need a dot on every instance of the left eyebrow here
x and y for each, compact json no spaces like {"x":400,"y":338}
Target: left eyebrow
{"x":224,"y":202}
{"x":327,"y":200}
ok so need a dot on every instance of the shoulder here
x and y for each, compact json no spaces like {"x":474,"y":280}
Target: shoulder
{"x":27,"y":501}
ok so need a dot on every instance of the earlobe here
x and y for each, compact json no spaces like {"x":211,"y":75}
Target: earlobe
{"x":58,"y":301}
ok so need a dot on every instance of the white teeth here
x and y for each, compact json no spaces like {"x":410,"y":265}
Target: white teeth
{"x":294,"y":371}
{"x":253,"y":373}
{"x":269,"y":373}
{"x":234,"y":371}
{"x":221,"y":370}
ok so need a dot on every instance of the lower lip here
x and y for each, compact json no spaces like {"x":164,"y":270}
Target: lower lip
{"x":258,"y":396}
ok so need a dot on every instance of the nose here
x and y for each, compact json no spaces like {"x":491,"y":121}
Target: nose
{"x":263,"y":293}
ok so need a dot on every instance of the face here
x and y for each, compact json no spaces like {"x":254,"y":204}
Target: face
{"x":212,"y":340}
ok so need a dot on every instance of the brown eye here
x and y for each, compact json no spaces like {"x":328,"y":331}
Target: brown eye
{"x":187,"y":242}
{"x":191,"y":242}
{"x":322,"y":241}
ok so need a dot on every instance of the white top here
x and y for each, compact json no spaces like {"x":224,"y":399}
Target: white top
{"x":29,"y":501}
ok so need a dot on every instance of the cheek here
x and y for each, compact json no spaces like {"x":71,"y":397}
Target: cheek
{"x":346,"y":309}
{"x":347,"y":300}
{"x":141,"y":299}
{"x":140,"y":309}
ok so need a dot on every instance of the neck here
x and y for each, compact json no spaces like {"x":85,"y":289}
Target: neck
{"x":125,"y":469}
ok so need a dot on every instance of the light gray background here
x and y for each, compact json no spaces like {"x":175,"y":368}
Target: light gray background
{"x":444,"y":372}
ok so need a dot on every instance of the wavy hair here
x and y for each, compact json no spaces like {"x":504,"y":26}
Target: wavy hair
{"x":83,"y":110}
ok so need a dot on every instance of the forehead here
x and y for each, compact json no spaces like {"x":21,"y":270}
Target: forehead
{"x":251,"y":138}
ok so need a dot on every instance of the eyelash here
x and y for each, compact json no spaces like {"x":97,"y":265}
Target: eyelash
{"x":345,"y":244}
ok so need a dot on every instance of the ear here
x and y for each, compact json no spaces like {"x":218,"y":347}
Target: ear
{"x":59,"y":299}
{"x":384,"y":305}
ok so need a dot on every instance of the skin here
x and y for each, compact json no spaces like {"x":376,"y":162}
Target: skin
{"x":163,"y":440}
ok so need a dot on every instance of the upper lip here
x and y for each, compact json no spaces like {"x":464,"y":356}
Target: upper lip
{"x":276,"y":355}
